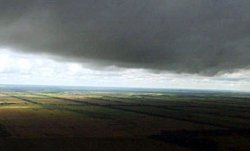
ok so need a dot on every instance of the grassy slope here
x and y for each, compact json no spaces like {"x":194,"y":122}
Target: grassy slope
{"x":123,"y":120}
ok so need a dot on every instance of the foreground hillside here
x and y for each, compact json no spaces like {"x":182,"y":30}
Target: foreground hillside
{"x":99,"y":120}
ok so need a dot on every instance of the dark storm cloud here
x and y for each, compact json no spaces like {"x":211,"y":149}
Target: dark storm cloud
{"x":191,"y":36}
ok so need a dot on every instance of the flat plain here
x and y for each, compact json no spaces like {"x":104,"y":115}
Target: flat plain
{"x":45,"y":118}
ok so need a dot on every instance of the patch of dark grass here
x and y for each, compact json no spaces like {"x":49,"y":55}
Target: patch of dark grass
{"x":6,"y":104}
{"x":198,"y":140}
{"x":3,"y":132}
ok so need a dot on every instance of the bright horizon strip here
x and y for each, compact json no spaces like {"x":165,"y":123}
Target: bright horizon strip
{"x":30,"y":69}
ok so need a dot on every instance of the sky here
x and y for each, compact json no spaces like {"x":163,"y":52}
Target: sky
{"x":33,"y":69}
{"x":196,"y":44}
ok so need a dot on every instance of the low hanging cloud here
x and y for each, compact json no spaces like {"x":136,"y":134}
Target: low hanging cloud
{"x":190,"y":36}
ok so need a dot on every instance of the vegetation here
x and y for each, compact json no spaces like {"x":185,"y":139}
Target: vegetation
{"x":77,"y":120}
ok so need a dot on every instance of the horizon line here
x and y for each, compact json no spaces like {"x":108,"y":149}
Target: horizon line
{"x":124,"y":88}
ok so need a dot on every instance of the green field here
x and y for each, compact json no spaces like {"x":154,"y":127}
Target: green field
{"x":75,"y":119}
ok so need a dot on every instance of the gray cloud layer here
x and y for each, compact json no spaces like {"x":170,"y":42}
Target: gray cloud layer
{"x":190,"y":36}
